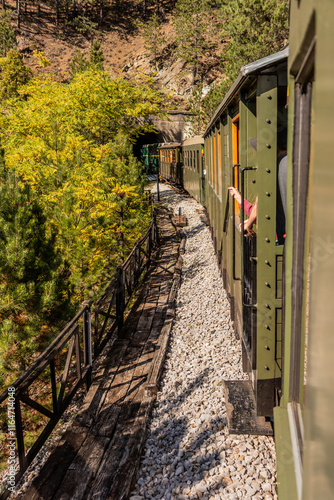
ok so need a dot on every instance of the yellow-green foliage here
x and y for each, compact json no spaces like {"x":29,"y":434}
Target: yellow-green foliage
{"x":13,"y":74}
{"x":70,"y":144}
{"x":73,"y":202}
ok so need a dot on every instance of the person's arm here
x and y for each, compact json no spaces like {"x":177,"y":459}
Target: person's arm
{"x":252,"y":217}
{"x":248,"y":207}
{"x":237,"y":195}
{"x":234,"y":192}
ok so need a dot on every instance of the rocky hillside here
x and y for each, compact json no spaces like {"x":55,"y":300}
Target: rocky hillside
{"x":122,"y":44}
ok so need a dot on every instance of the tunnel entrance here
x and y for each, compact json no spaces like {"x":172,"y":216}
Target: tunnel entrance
{"x":149,"y":138}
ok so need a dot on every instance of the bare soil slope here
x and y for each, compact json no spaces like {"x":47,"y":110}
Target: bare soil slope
{"x":121,"y":42}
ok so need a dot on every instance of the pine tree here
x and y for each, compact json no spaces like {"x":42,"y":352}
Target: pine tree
{"x":255,"y":29}
{"x":96,"y":57}
{"x":193,"y":24}
{"x":14,"y":74}
{"x":7,"y":34}
{"x":71,"y":142}
{"x":78,"y":63}
{"x":35,"y":295}
{"x":154,"y":37}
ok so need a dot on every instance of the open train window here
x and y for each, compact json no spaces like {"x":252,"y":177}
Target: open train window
{"x":215,"y":160}
{"x":219,"y":174}
{"x":236,"y":156}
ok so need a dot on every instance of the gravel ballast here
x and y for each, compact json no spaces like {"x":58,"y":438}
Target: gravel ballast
{"x":189,"y":453}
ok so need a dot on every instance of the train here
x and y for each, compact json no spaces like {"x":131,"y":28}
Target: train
{"x":149,"y":158}
{"x":263,"y":171}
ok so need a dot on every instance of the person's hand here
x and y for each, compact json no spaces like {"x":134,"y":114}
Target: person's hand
{"x":234,"y":192}
{"x":248,"y":224}
{"x":242,"y":225}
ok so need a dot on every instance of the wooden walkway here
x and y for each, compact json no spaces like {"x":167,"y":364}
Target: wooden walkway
{"x":98,"y":456}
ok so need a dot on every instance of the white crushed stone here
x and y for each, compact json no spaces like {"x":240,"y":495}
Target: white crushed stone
{"x":189,"y":453}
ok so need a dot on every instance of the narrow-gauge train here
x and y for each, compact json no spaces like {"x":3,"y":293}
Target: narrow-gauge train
{"x":149,"y":157}
{"x":280,"y":281}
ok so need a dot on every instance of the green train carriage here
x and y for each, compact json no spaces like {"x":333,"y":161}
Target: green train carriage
{"x":171,"y":162}
{"x":193,"y":167}
{"x":304,"y":432}
{"x":281,"y":294}
{"x":252,"y":265}
{"x":149,"y":156}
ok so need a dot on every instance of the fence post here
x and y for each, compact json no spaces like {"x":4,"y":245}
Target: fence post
{"x":120,"y":298}
{"x":137,"y":265}
{"x":19,"y":435}
{"x":87,"y":338}
{"x":156,"y":235}
{"x":149,"y":250}
{"x":96,"y":329}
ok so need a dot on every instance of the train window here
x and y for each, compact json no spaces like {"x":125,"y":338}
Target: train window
{"x":211,"y":160}
{"x":197,"y":160}
{"x":236,"y":156}
{"x":215,"y":159}
{"x":219,"y":164}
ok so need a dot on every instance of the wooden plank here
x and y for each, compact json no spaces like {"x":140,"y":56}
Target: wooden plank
{"x":136,"y":390}
{"x":113,"y":455}
{"x":154,"y":376}
{"x":111,"y":425}
{"x":125,"y":476}
{"x":50,"y":477}
{"x":102,"y":382}
{"x":108,"y":413}
{"x":83,"y":469}
{"x":131,"y":322}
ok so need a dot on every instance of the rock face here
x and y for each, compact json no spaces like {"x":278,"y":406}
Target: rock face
{"x":189,"y":453}
{"x":172,"y":129}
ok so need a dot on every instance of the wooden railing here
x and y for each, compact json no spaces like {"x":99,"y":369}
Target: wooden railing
{"x":47,"y":387}
{"x":110,"y":307}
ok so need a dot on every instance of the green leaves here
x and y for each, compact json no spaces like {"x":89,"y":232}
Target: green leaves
{"x":7,"y":34}
{"x":70,"y":144}
{"x":257,"y":28}
{"x":154,"y":37}
{"x":13,"y":74}
{"x":193,"y":24}
{"x":72,"y":202}
{"x":253,"y":29}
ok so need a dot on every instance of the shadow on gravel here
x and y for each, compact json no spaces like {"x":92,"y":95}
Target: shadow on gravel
{"x":193,"y":269}
{"x":195,"y":230}
{"x":180,"y":451}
